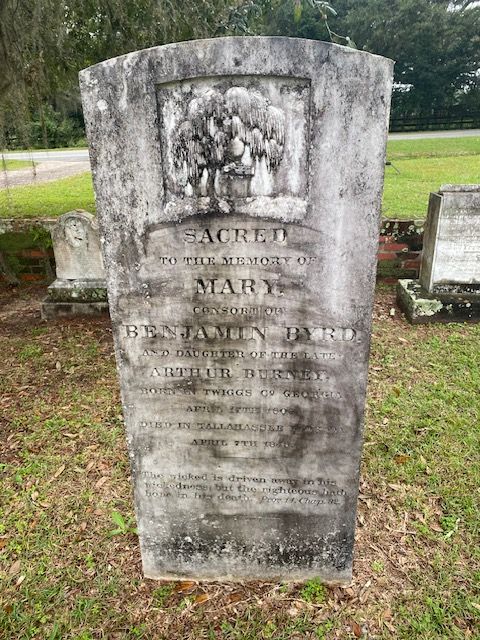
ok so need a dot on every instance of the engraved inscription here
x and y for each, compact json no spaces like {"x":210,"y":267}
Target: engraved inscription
{"x":266,"y":383}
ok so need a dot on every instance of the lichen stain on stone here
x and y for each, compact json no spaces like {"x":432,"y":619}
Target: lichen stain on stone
{"x":426,"y":307}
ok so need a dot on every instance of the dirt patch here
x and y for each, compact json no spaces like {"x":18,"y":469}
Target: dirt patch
{"x":19,"y":307}
{"x":42,"y":172}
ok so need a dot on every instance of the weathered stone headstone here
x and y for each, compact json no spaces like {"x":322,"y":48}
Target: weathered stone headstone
{"x":238,"y":185}
{"x":80,"y":286}
{"x":448,"y":289}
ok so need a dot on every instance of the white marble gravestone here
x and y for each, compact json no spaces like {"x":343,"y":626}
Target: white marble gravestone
{"x":79,"y":287}
{"x":451,"y":248}
{"x":76,"y":245}
{"x":448,"y":289}
{"x":238,"y":185}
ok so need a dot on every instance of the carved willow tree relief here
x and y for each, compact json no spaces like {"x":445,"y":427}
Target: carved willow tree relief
{"x":235,"y":145}
{"x":227,"y":141}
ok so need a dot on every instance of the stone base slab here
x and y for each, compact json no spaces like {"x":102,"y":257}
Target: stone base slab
{"x":77,"y":291}
{"x":421,"y":307}
{"x":52,"y":310}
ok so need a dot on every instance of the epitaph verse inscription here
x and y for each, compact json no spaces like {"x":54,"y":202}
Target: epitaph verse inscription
{"x":238,"y":184}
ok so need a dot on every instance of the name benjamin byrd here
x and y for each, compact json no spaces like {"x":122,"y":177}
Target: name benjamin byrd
{"x":220,"y":332}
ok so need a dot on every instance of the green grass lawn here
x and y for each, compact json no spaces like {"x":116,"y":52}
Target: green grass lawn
{"x":13,"y":165}
{"x":422,"y":165}
{"x":69,"y":558}
{"x":48,"y":199}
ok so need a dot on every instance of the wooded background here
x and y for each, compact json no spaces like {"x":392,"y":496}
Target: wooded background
{"x":44,"y":44}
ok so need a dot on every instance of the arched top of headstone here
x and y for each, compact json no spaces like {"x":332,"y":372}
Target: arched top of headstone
{"x":236,"y":126}
{"x":72,"y":226}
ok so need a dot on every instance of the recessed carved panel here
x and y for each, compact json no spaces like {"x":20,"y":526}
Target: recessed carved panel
{"x":236,"y":145}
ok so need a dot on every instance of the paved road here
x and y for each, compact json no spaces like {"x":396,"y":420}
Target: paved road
{"x":80,"y":155}
{"x":72,"y":155}
{"x":414,"y":135}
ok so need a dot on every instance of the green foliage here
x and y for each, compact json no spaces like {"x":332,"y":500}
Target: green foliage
{"x":378,"y":566}
{"x":30,"y":352}
{"x":124,"y":526}
{"x":49,"y":128}
{"x":435,"y":45}
{"x":162,"y":594}
{"x":323,"y":629}
{"x":314,"y":591}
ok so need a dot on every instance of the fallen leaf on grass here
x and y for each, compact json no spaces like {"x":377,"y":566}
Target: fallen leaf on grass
{"x":395,"y":487}
{"x":202,"y":597}
{"x":401,"y":458}
{"x":236,"y":596}
{"x":186,"y":586}
{"x":356,"y":628}
{"x":15,"y":568}
{"x":20,"y":580}
{"x":3,"y":542}
{"x":101,"y":482}
{"x":58,"y":472}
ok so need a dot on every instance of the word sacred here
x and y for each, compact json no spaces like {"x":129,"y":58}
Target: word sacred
{"x":224,"y":236}
{"x":205,"y":332}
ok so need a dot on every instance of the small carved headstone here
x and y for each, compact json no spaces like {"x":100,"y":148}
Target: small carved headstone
{"x":76,"y":245}
{"x":238,"y":184}
{"x":80,"y":284}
